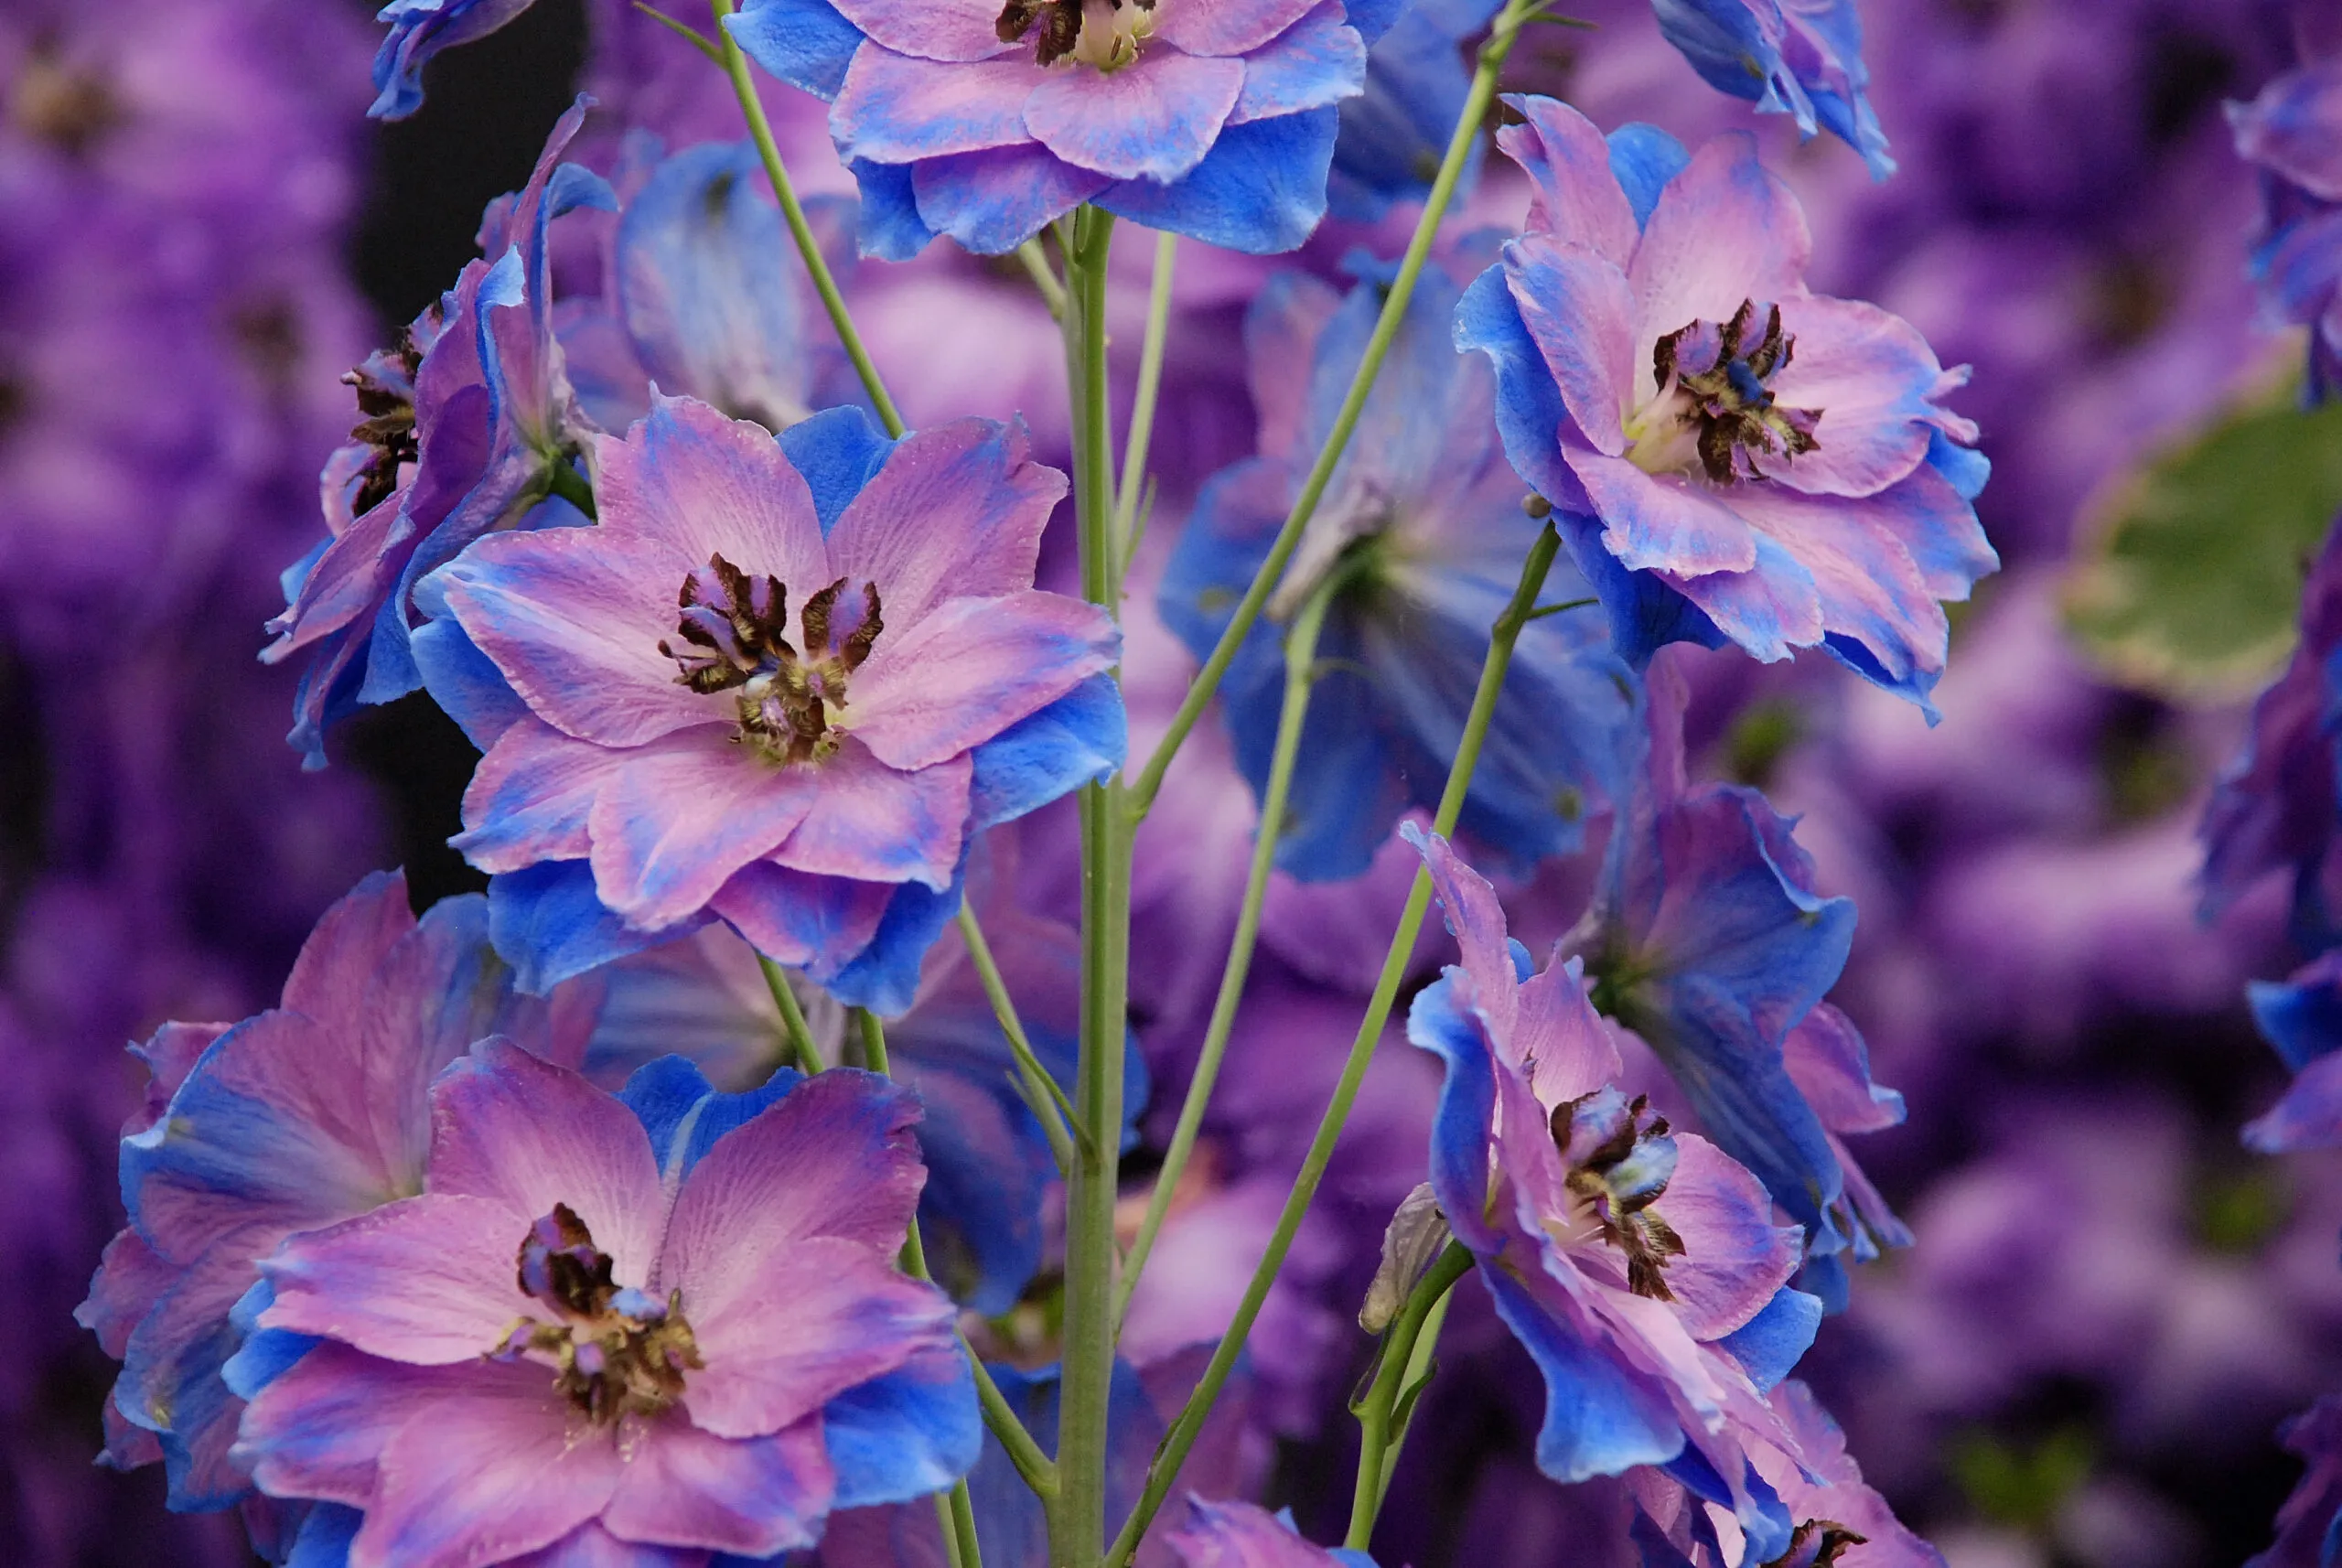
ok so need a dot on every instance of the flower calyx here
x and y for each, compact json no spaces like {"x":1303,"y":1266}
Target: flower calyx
{"x":1102,"y":33}
{"x":615,"y":1350}
{"x":1714,"y":401}
{"x":733,"y":636}
{"x":1620,"y":1159}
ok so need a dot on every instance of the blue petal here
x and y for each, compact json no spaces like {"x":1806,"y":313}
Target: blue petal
{"x":805,"y":43}
{"x":466,"y":682}
{"x":1467,"y":1102}
{"x":1079,"y":738}
{"x":326,"y":1537}
{"x":1965,"y":466}
{"x":1394,"y":135}
{"x":1644,"y":158}
{"x":547,"y":922}
{"x":684,"y":1114}
{"x":907,"y":1435}
{"x":1598,"y":1421}
{"x":1767,"y":1346}
{"x":838,"y":451}
{"x":884,"y":977}
{"x":1261,"y":190}
{"x":2303,"y":1022}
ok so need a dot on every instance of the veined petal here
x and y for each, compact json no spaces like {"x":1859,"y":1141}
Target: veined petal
{"x":898,"y":108}
{"x":1665,"y":521}
{"x":993,"y":201}
{"x":677,"y":818}
{"x":874,"y":823}
{"x":1318,"y":60}
{"x":1153,"y":119}
{"x":1228,"y":27}
{"x":800,"y":920}
{"x":529,"y":797}
{"x":1579,"y":311}
{"x":1725,"y":231}
{"x":932,"y":30}
{"x":1735,"y":1258}
{"x":427,"y":1281}
{"x":1577,"y":198}
{"x":705,"y":485}
{"x":1870,"y":588}
{"x":971,"y":669}
{"x":1873,"y":379}
{"x":756,"y":1497}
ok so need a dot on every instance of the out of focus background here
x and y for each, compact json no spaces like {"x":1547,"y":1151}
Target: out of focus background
{"x":2110,"y":1305}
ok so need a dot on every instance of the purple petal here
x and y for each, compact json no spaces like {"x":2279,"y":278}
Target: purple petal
{"x":319,"y":1428}
{"x":955,"y":512}
{"x":1735,"y":1258}
{"x":529,"y":1134}
{"x":1872,"y":377}
{"x":1241,"y":1535}
{"x":336,"y":962}
{"x":932,"y":30}
{"x":683,"y":1487}
{"x":1476,"y":919}
{"x":705,"y":485}
{"x":530,"y":798}
{"x":1281,"y":333}
{"x":2308,"y":1117}
{"x":1664,"y":522}
{"x":896,"y":109}
{"x":1725,"y":231}
{"x":1831,"y":1066}
{"x":2295,"y":127}
{"x":993,"y":201}
{"x":574,"y":617}
{"x":1227,"y":26}
{"x":1870,"y":588}
{"x":591,"y":1546}
{"x":971,"y":669}
{"x":870,"y":823}
{"x":1768,"y":610}
{"x":428,"y":1280}
{"x":677,"y":819}
{"x":1319,"y":60}
{"x":1153,"y":119}
{"x":797,"y":920}
{"x":1574,"y":195}
{"x":1579,"y":312}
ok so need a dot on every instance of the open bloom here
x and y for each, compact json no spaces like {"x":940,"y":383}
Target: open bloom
{"x":987,"y":122}
{"x":630,"y":1330}
{"x":1639,"y":1267}
{"x":1422,"y":535}
{"x":2292,"y":132}
{"x":1737,"y":459}
{"x":464,"y":425}
{"x":780,"y":684}
{"x":307,"y":1114}
{"x":1798,"y":57}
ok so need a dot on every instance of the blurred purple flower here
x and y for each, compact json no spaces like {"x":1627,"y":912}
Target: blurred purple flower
{"x":2309,"y":1527}
{"x":2292,"y":134}
{"x":1798,"y":57}
{"x":419,"y":29}
{"x":1241,"y":1535}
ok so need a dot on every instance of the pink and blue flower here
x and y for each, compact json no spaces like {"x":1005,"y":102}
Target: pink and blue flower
{"x":1798,"y":57}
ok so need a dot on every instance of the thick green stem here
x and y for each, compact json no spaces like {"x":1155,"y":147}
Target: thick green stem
{"x":744,"y":87}
{"x":1150,"y":385}
{"x":792,"y":1017}
{"x":1394,"y":309}
{"x":1040,"y":1092}
{"x":1077,"y":1515}
{"x":570,"y":485}
{"x":1391,"y":1378}
{"x":1173,"y":1451}
{"x":1300,"y":675}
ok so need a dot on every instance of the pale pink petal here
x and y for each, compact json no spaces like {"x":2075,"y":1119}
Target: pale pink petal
{"x":674,"y":824}
{"x":684,"y":1486}
{"x":971,"y":669}
{"x":705,"y":485}
{"x":870,"y":823}
{"x":1153,"y":119}
{"x":1725,"y":231}
{"x":1871,"y":375}
{"x":1227,"y":26}
{"x":529,"y":799}
{"x":329,"y":980}
{"x":318,"y":1428}
{"x":1870,"y":587}
{"x":1735,"y":1258}
{"x":427,"y":1281}
{"x":932,"y":29}
{"x":1573,"y":195}
{"x":1664,"y":521}
{"x":898,"y":109}
{"x":1577,"y":306}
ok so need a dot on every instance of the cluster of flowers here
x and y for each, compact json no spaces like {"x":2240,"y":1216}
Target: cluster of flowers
{"x":397,"y":1279}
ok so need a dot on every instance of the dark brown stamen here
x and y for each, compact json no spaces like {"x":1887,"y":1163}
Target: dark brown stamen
{"x":1725,"y":382}
{"x":733,"y":636}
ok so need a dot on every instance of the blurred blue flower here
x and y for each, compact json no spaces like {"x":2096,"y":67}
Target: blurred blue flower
{"x":1800,"y":58}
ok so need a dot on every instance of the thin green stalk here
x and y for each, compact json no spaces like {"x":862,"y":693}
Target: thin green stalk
{"x":1173,"y":1451}
{"x":960,"y":1519}
{"x":1078,"y":1513}
{"x":1394,"y":309}
{"x":1150,"y":384}
{"x":1390,"y":1379}
{"x":1033,"y":1465}
{"x":1300,"y":675}
{"x":1040,"y":1092}
{"x":1043,"y":276}
{"x":744,"y":87}
{"x":950,"y":1526}
{"x":792,"y":1017}
{"x":1419,"y":1367}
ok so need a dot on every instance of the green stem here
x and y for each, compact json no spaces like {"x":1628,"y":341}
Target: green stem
{"x":1077,"y":1514}
{"x":1033,"y":1465}
{"x":1150,"y":385}
{"x":1045,"y":277}
{"x":1395,"y":1374}
{"x":1418,"y":1362}
{"x":1386,"y":327}
{"x":1300,"y":675}
{"x":950,"y":1526}
{"x":744,"y":87}
{"x":1040,"y":1092}
{"x":792,"y":1018}
{"x":1173,"y":1451}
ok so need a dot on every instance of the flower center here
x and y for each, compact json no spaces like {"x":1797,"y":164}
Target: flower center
{"x":1620,"y":1160}
{"x":1818,"y":1543}
{"x":66,"y":107}
{"x":1714,"y":401}
{"x":735,"y":637}
{"x":613,"y":1350}
{"x":1102,"y":33}
{"x":385,"y":387}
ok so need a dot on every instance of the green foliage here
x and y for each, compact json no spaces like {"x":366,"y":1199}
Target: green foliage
{"x":2022,"y":1487}
{"x":2194,"y":582}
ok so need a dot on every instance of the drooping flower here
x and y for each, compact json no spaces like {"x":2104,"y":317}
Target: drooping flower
{"x":467,"y":426}
{"x":569,"y":1343}
{"x":1736,"y":458}
{"x":1423,"y":527}
{"x":419,"y":29}
{"x":1639,"y":1267}
{"x":1800,"y":58}
{"x":306,"y":1115}
{"x":780,"y":684}
{"x":1245,"y":1535}
{"x":2292,"y":134}
{"x":1706,"y":937}
{"x":986,"y":122}
{"x":2309,"y":1527}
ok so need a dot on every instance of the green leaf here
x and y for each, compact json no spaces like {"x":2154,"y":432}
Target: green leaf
{"x":2194,"y":584}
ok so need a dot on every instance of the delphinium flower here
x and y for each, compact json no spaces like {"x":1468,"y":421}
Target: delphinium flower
{"x":419,"y":29}
{"x":1241,"y":1535}
{"x":307,"y":1114}
{"x":468,"y":426}
{"x":781,"y":683}
{"x":1800,"y":58}
{"x":631,"y":1395}
{"x":1734,"y":457}
{"x":1421,"y":534}
{"x":1639,"y":1267}
{"x":2292,"y":134}
{"x":1394,"y":133}
{"x":988,"y":123}
{"x":1708,"y":939}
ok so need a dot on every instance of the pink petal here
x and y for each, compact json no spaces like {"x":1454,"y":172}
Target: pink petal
{"x":705,"y":485}
{"x":1725,"y":231}
{"x":1468,"y":904}
{"x":318,"y":1429}
{"x":1870,"y":587}
{"x":573,"y":617}
{"x":1577,"y":307}
{"x":674,"y":824}
{"x":993,"y":201}
{"x":329,"y":980}
{"x":684,"y":1486}
{"x":1664,"y":521}
{"x":794,"y":918}
{"x":1153,"y":119}
{"x":1227,"y":26}
{"x":1281,"y":333}
{"x":1735,"y":1258}
{"x":428,"y":1280}
{"x":932,"y":30}
{"x":529,"y":1134}
{"x":1319,"y":60}
{"x":591,"y":1546}
{"x":956,"y":511}
{"x":1870,"y":374}
{"x":870,"y":823}
{"x":898,"y":109}
{"x":1574,"y":196}
{"x":971,"y":669}
{"x":529,"y":799}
